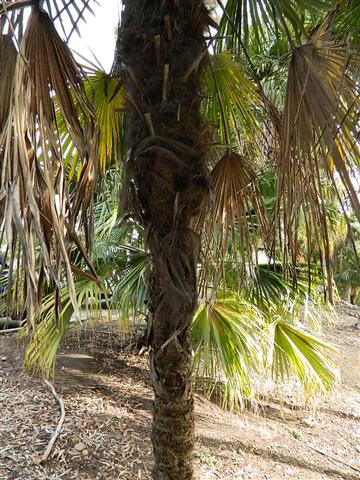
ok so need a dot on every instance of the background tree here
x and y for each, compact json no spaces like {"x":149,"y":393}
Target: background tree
{"x":346,"y":262}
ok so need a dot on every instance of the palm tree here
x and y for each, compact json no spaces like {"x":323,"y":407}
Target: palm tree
{"x":171,"y":77}
{"x":233,"y":334}
{"x":164,"y":52}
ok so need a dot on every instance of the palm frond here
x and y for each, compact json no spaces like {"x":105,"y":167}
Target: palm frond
{"x":242,"y":19}
{"x":37,"y":199}
{"x":318,"y":135}
{"x":348,"y":18}
{"x":42,"y":347}
{"x":107,"y":97}
{"x":130,"y":293}
{"x":322,"y":102}
{"x":300,"y":295}
{"x":238,"y":216}
{"x":71,"y":12}
{"x":231,"y":100}
{"x":234,"y":340}
{"x":227,"y":345}
{"x":298,"y":352}
{"x":8,"y":56}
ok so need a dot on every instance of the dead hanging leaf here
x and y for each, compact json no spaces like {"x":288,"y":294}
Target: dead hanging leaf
{"x":319,"y":133}
{"x":238,"y":213}
{"x":8,"y":55}
{"x":52,"y":68}
{"x":321,"y":106}
{"x":38,"y":206}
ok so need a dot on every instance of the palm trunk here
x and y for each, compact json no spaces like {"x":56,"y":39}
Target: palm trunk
{"x":163,"y":50}
{"x":171,"y":366}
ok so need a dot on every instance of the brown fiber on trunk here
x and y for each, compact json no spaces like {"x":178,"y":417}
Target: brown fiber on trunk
{"x":162,"y":50}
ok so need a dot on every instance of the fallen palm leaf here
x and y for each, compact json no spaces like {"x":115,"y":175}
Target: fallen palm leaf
{"x":55,"y":435}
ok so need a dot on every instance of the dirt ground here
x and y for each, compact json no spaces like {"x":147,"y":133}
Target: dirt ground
{"x":105,"y":436}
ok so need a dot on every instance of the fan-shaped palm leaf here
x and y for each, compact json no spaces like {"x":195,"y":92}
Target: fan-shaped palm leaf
{"x":231,"y":100}
{"x":33,"y":174}
{"x":296,"y":351}
{"x":227,"y":344}
{"x":259,"y":17}
{"x":130,"y":293}
{"x":319,"y":134}
{"x":42,"y":347}
{"x":107,"y":97}
{"x":238,"y":217}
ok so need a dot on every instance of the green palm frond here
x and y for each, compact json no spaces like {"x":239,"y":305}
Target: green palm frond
{"x":234,"y":340}
{"x":242,"y":19}
{"x":42,"y":347}
{"x":296,"y":351}
{"x":106,"y":223}
{"x":107,"y":97}
{"x":348,"y":18}
{"x":130,"y":294}
{"x":124,"y":288}
{"x":268,"y":287}
{"x":227,"y":344}
{"x":271,"y":284}
{"x":269,"y":63}
{"x":349,"y":276}
{"x":348,"y":271}
{"x":231,"y":100}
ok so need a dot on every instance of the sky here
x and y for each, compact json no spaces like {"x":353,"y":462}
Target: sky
{"x":98,"y":34}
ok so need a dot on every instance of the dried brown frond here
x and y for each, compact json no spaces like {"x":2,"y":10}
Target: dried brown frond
{"x":238,"y":215}
{"x":38,"y":205}
{"x":318,"y":135}
{"x":8,"y":56}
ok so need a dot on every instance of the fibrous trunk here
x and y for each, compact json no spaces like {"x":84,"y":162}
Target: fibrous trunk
{"x":163,"y":50}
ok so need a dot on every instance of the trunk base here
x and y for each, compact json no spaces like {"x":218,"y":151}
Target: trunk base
{"x":173,"y":421}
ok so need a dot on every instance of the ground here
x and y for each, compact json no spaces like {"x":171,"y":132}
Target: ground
{"x":105,"y":435}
